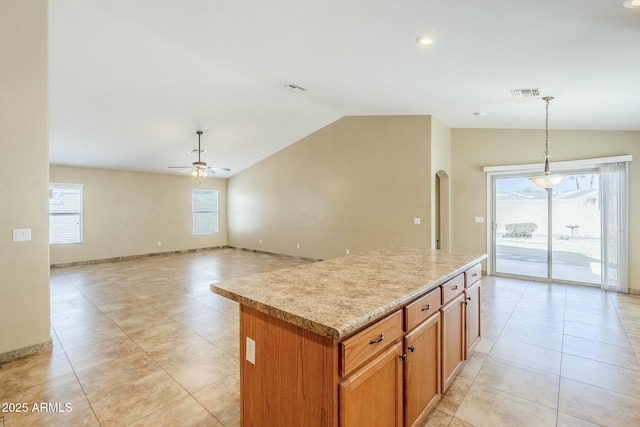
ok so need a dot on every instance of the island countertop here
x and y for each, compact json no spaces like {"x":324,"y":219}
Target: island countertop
{"x":337,"y":297}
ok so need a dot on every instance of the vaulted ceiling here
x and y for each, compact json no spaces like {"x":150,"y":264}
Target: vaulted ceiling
{"x":132,"y":80}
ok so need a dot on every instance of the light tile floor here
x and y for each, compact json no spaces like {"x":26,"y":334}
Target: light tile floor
{"x":145,"y":342}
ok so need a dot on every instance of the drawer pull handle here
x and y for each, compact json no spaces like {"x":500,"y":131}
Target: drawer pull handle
{"x":474,"y":274}
{"x":468,"y":298}
{"x":428,"y":307}
{"x":412,"y":349}
{"x":378,"y":340}
{"x":454,"y":288}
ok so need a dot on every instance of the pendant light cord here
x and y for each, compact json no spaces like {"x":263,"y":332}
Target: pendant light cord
{"x":546,"y":128}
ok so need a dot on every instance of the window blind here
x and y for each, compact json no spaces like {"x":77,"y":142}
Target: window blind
{"x":204,"y":208}
{"x":65,"y":214}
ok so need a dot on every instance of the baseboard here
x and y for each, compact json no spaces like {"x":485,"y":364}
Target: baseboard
{"x":25,"y":351}
{"x":130,"y":257}
{"x":275,"y":254}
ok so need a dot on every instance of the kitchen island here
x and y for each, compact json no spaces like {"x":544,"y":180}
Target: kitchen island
{"x":371,"y":339}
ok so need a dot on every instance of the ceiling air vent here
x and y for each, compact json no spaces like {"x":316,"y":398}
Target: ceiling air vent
{"x":524,"y":93}
{"x":295,"y":88}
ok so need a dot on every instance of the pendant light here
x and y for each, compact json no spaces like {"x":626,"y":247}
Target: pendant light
{"x":546,"y":180}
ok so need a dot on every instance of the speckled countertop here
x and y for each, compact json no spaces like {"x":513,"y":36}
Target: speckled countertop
{"x":337,"y":297}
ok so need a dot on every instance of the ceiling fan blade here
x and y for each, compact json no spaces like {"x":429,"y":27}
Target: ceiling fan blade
{"x":219,"y":168}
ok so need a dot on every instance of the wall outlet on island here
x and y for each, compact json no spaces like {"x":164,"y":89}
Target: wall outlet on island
{"x":251,"y":351}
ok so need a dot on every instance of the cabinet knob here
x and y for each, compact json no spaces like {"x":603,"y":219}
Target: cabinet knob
{"x":428,"y":307}
{"x":454,"y":288}
{"x":412,"y":349}
{"x":468,"y":298}
{"x":403,"y":356}
{"x":378,"y":340}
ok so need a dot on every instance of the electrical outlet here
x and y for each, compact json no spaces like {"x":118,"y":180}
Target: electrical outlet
{"x":298,"y":246}
{"x":260,"y":241}
{"x":347,"y":251}
{"x":251,"y":351}
{"x":416,"y":221}
{"x":159,"y":242}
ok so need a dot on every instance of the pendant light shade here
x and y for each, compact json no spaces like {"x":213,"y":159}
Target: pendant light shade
{"x":546,"y":180}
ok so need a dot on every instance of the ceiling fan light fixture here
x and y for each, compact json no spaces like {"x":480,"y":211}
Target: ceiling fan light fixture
{"x":199,"y":173}
{"x":199,"y":169}
{"x":546,"y":180}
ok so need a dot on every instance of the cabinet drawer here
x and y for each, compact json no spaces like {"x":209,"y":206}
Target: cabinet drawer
{"x":452,"y":288}
{"x":367,"y":343}
{"x":472,"y":275}
{"x":421,"y":309}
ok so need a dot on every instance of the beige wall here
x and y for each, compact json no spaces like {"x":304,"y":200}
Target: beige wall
{"x":473,"y":149}
{"x":24,"y":172}
{"x":356,"y":184}
{"x":127,"y":213}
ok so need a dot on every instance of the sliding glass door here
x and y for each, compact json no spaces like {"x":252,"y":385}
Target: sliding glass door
{"x":576,"y":248}
{"x":552,"y":235}
{"x":521,"y":232}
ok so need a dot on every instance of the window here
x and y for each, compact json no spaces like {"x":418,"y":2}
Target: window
{"x":65,"y":213}
{"x":204,"y":209}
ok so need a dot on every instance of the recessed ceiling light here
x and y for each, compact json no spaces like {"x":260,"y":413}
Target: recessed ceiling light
{"x":424,"y":40}
{"x":631,"y":4}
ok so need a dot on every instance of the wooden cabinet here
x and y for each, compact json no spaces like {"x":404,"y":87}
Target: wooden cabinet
{"x":367,"y":343}
{"x":453,"y":337}
{"x":390,"y":373}
{"x":422,"y":370}
{"x":472,"y":308}
{"x":373,"y":395}
{"x":422,"y":309}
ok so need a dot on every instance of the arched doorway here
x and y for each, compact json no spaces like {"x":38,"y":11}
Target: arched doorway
{"x":442,"y":227}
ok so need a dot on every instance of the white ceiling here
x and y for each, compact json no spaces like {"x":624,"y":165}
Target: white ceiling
{"x":132,"y":80}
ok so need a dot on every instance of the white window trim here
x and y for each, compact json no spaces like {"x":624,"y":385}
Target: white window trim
{"x":217,"y":211}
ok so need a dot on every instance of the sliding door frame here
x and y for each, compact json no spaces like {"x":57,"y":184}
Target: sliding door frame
{"x":531,"y":169}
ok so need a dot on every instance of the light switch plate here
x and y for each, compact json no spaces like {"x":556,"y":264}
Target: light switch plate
{"x":416,"y":221}
{"x":480,"y":219}
{"x":21,"y":234}
{"x":251,"y":351}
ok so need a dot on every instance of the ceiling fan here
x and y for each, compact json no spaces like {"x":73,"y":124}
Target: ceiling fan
{"x":200,"y":169}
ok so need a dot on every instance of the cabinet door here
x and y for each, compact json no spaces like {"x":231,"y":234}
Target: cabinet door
{"x":372,"y":396}
{"x":453,"y":349}
{"x":472,"y":301}
{"x":422,"y":370}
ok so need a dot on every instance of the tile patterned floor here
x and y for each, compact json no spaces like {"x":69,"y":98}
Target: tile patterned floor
{"x":144,"y":342}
